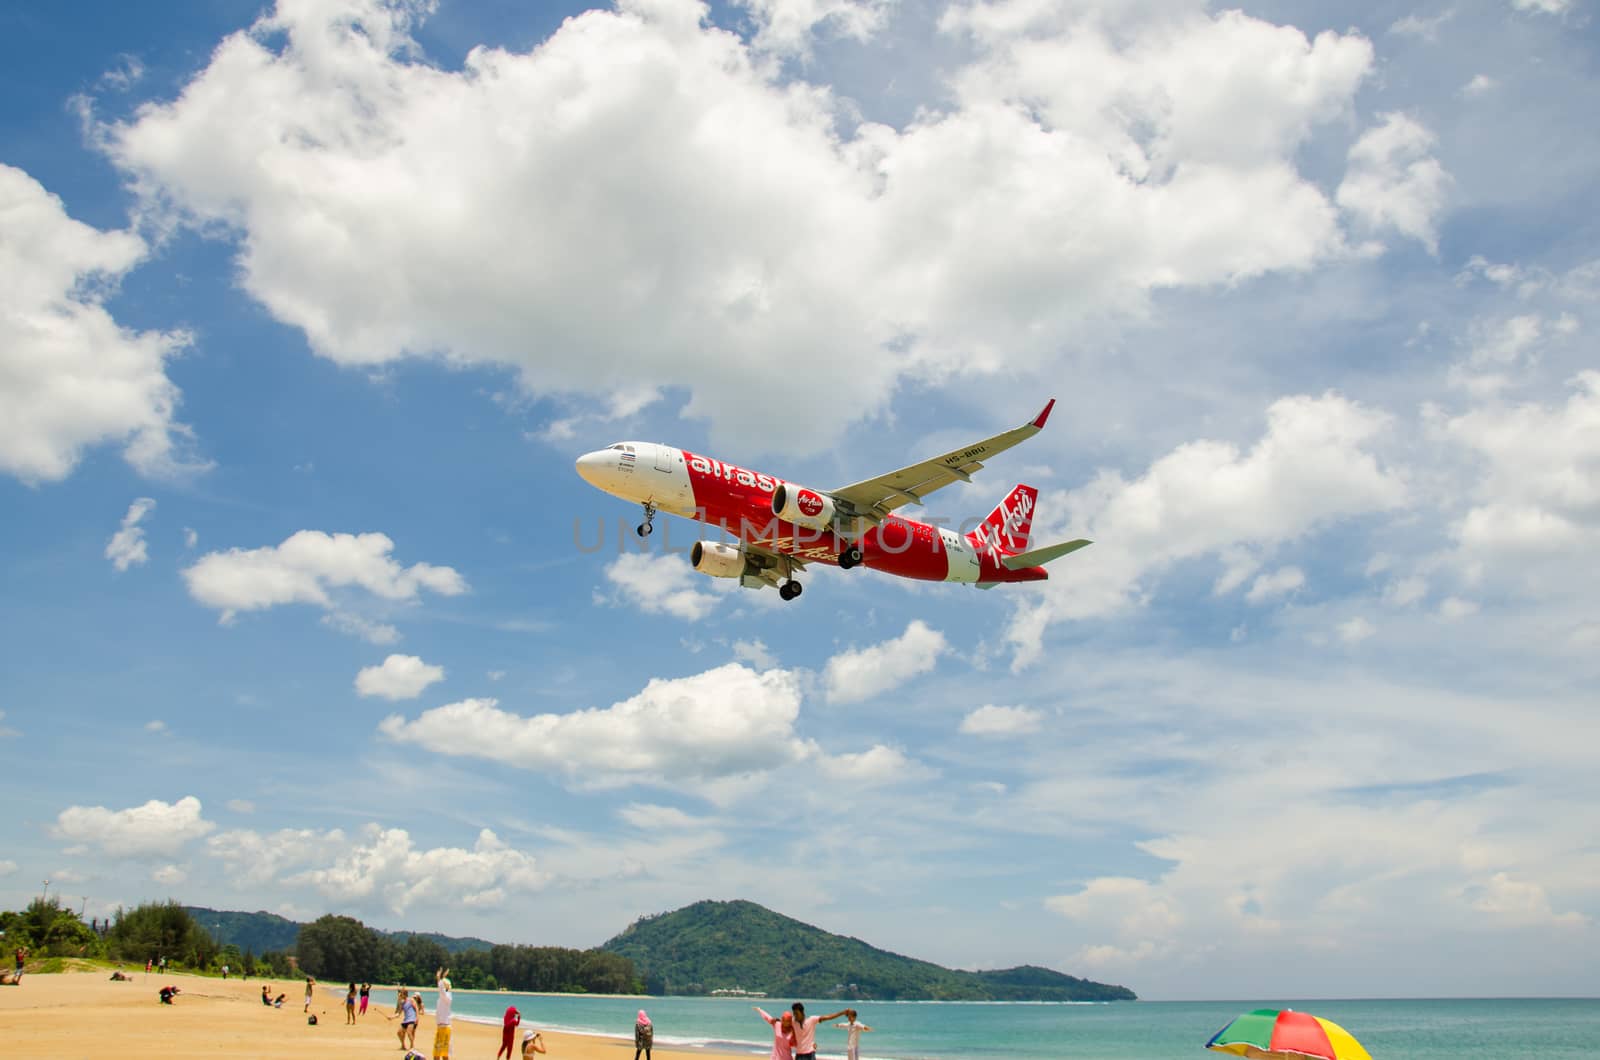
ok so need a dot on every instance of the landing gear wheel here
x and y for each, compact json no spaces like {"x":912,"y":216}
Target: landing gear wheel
{"x":789,"y":590}
{"x":644,"y":529}
{"x":850,"y":557}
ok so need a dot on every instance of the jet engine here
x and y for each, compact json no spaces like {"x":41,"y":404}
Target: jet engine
{"x":717,"y":559}
{"x":803,"y":507}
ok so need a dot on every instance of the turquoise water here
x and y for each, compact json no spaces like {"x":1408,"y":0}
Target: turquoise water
{"x":1546,"y":1029}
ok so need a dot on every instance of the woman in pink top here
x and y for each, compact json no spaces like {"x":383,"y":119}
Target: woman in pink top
{"x":782,"y":1035}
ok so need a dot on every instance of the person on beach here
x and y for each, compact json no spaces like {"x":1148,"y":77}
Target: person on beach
{"x":805,"y":1031}
{"x":532,"y":1044}
{"x":310,"y":982}
{"x":266,"y":997}
{"x":406,"y":1009}
{"x":508,"y":1032}
{"x":853,"y":1029}
{"x":782,"y":1034}
{"x":350,"y":1005}
{"x":366,"y":992}
{"x":644,"y":1036}
{"x":441,"y":1016}
{"x":22,"y":959}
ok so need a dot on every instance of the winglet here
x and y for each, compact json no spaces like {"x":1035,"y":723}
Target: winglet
{"x":1038,"y":423}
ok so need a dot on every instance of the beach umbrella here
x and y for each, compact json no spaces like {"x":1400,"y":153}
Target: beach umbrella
{"x":1284,"y":1034}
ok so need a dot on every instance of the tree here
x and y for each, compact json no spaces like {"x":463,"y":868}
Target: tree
{"x":339,"y":947}
{"x":154,"y":930}
{"x":47,"y":929}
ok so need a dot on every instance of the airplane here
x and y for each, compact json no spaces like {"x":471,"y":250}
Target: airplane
{"x":781,"y":526}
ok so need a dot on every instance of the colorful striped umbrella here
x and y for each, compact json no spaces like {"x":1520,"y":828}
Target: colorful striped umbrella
{"x":1273,"y":1034}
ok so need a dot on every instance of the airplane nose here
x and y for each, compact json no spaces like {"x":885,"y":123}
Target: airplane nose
{"x":592,"y":467}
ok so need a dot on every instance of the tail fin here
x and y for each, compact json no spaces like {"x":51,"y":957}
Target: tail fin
{"x":1005,"y":532}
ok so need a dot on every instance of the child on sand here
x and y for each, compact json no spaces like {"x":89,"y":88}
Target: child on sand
{"x":853,"y":1047}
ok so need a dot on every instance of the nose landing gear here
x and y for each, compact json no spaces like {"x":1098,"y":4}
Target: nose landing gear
{"x":646,"y":527}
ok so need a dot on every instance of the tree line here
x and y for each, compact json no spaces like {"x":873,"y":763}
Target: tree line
{"x":334,"y":948}
{"x":343,"y":948}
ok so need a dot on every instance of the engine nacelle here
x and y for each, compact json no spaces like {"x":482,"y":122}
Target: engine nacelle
{"x":803,"y":507}
{"x":717,"y":559}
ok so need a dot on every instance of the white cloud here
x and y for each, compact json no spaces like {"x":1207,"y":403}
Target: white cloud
{"x":5,"y":731}
{"x":725,"y":722}
{"x":861,"y":673}
{"x":190,"y":537}
{"x":369,"y":630}
{"x":241,"y":805}
{"x":254,"y":858}
{"x":878,"y":766}
{"x":1392,"y":180}
{"x":1356,"y":630}
{"x":1543,"y":7}
{"x":1404,"y":592}
{"x":648,"y":817}
{"x":1480,"y":85}
{"x":1074,"y":172}
{"x":1314,"y":465}
{"x":1280,"y":582}
{"x":659,"y":585}
{"x":169,"y":875}
{"x":385,"y":865}
{"x":398,"y":677}
{"x":991,"y":720}
{"x":154,"y":829}
{"x":307,"y":568}
{"x":1423,"y":28}
{"x":1453,"y":608}
{"x":75,"y":378}
{"x":1506,"y":898}
{"x":7,"y":867}
{"x":754,"y":652}
{"x":127,"y":546}
{"x":156,"y":725}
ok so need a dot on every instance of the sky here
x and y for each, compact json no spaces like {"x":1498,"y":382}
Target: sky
{"x":306,"y":311}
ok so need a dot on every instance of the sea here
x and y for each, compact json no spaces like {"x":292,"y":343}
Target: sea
{"x":1491,"y":1029}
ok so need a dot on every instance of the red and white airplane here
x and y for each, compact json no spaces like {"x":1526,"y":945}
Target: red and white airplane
{"x":781,"y":526}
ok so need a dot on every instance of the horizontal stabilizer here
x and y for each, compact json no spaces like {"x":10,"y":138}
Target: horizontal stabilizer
{"x":1040,"y":556}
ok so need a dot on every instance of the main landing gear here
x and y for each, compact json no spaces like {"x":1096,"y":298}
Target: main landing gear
{"x":850,"y":557}
{"x":789,"y":589}
{"x":649,"y":524}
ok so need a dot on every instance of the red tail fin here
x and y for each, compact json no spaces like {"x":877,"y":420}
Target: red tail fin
{"x":1005,"y":532}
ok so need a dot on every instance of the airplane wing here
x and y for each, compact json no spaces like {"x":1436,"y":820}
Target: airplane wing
{"x":875,"y":498}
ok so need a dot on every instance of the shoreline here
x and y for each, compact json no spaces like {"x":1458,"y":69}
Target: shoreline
{"x":70,"y":1014}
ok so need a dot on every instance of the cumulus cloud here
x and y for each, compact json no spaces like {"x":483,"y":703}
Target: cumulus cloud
{"x":169,"y":875}
{"x":254,"y":857}
{"x":309,"y":567}
{"x":398,"y":677}
{"x":75,"y":378}
{"x":659,"y":585}
{"x":754,"y":652}
{"x":153,"y":830}
{"x":1280,"y":582}
{"x":725,"y":722}
{"x":387,"y":866}
{"x":992,"y":720}
{"x":1314,"y":465}
{"x":127,"y":546}
{"x":1393,"y":181}
{"x":7,"y":866}
{"x":878,"y":766}
{"x":679,"y":214}
{"x":861,"y":673}
{"x":1356,"y":630}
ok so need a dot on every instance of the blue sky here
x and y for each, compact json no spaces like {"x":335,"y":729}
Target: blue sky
{"x":308,"y":310}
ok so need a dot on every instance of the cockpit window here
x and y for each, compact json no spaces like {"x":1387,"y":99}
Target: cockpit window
{"x":617,"y":446}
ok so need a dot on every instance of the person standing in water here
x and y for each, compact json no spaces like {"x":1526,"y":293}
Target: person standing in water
{"x":853,"y":1046}
{"x":782,"y":1034}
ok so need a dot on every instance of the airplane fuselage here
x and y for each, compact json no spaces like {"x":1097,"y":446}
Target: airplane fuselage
{"x":740,"y":502}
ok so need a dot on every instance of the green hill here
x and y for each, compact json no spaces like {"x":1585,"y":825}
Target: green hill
{"x":740,"y":945}
{"x":262,"y":932}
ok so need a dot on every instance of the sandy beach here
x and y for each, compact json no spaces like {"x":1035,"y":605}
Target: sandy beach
{"x":85,"y":1014}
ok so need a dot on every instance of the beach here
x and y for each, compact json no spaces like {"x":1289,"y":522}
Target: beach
{"x":85,"y":1014}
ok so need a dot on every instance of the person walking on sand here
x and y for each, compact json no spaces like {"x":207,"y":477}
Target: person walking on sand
{"x":805,"y":1031}
{"x":853,"y":1046}
{"x":406,"y":1009}
{"x":644,"y":1036}
{"x":782,"y":1034}
{"x":508,"y":1032}
{"x":310,"y":982}
{"x":366,"y":992}
{"x":350,"y":1006}
{"x":441,"y":1016}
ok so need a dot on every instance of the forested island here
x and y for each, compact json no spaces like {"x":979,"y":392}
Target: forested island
{"x":704,"y":948}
